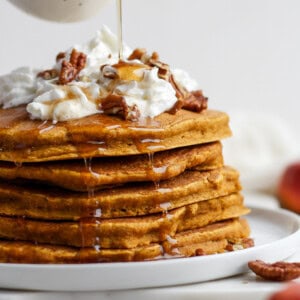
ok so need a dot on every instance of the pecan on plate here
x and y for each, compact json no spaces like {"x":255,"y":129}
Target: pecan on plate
{"x":242,"y":244}
{"x":279,"y":271}
{"x":199,"y":252}
{"x":116,"y":105}
{"x":247,"y":243}
{"x":70,"y":69}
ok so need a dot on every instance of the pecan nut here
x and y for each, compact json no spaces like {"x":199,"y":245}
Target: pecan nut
{"x":116,"y":105}
{"x":60,"y":55}
{"x":152,"y":61}
{"x":70,"y":70}
{"x":195,"y":101}
{"x":48,"y":74}
{"x":199,"y":252}
{"x":279,"y":271}
{"x":242,"y":244}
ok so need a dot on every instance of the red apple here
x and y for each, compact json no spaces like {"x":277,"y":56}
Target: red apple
{"x":289,"y":188}
{"x":292,"y":292}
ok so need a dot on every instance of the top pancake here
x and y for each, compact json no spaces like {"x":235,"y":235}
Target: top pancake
{"x":26,"y":140}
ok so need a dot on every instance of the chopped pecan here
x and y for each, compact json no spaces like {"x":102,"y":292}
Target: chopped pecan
{"x":279,"y":271}
{"x":68,"y":73}
{"x":155,"y":56}
{"x":109,"y":72}
{"x":152,"y":61}
{"x":195,"y":101}
{"x":199,"y":252}
{"x":115,"y":104}
{"x":247,"y":243}
{"x":137,"y":54}
{"x":70,"y":70}
{"x":229,"y":247}
{"x":78,"y":59}
{"x":60,"y":56}
{"x":163,"y":69}
{"x":242,"y":244}
{"x":48,"y":74}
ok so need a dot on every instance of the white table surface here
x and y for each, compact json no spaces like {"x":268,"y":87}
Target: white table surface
{"x":246,"y":286}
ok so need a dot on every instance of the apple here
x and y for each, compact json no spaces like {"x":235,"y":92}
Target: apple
{"x":291,"y":292}
{"x":289,"y":188}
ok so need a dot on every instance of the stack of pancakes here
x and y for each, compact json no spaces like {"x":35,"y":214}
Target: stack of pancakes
{"x":101,"y":189}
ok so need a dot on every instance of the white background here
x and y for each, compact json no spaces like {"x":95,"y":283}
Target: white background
{"x":244,"y":53}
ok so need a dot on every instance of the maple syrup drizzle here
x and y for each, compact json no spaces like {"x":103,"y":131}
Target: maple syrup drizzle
{"x":18,"y":164}
{"x":120,"y":28}
{"x":89,"y":222}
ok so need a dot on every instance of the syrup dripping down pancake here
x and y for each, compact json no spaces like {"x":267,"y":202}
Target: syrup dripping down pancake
{"x":210,"y":239}
{"x":50,"y":203}
{"x":123,"y":232}
{"x":81,"y":175}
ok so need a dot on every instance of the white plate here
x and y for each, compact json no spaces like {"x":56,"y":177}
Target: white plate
{"x":276,"y":234}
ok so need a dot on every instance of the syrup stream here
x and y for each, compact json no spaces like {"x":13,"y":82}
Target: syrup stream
{"x":120,"y":28}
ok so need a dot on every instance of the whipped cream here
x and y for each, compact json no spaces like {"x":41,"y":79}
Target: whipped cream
{"x":47,"y":100}
{"x":18,"y":87}
{"x":184,"y":79}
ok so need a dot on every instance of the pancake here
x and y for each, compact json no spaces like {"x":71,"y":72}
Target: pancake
{"x":81,"y":175}
{"x":133,"y":199}
{"x":123,"y":232}
{"x":206,"y":240}
{"x":26,"y":140}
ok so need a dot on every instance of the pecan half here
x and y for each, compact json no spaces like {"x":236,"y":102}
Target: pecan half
{"x":70,"y":70}
{"x":116,"y":105}
{"x":67,"y":73}
{"x":279,"y":271}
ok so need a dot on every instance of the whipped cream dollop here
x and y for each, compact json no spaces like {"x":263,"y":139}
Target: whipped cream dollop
{"x":18,"y":87}
{"x":47,"y":100}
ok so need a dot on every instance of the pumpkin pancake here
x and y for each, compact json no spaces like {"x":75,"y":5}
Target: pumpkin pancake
{"x":81,"y":175}
{"x":26,"y":140}
{"x":50,"y":203}
{"x":123,"y":232}
{"x":210,"y":239}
